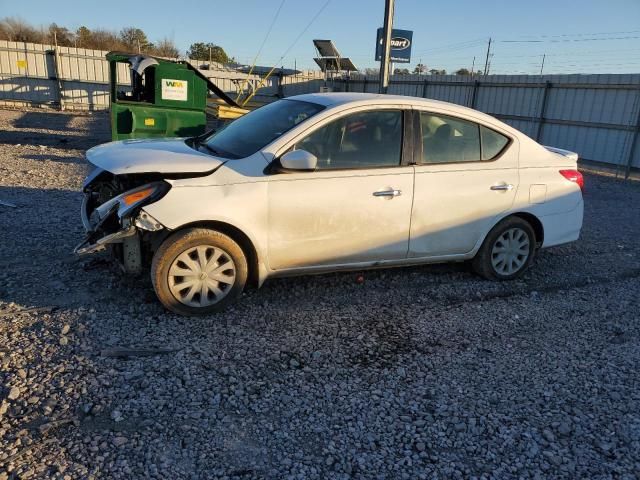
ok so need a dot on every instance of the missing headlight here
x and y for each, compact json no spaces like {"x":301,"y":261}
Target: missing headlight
{"x":147,"y":222}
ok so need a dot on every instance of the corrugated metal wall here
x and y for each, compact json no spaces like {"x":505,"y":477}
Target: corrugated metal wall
{"x":595,"y":115}
{"x":30,"y":73}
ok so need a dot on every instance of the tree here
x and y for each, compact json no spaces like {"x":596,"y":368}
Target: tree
{"x":401,"y":71}
{"x":17,"y":30}
{"x":83,"y":37}
{"x":105,"y":40}
{"x":61,"y":35}
{"x":420,"y":69}
{"x":204,"y":51}
{"x":134,"y":39}
{"x":166,"y":48}
{"x":463,"y":71}
{"x":371,"y":71}
{"x":435,"y":71}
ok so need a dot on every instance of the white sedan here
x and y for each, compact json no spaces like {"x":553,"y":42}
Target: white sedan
{"x":326,"y":182}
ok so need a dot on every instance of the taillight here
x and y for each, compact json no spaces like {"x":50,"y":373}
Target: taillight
{"x":574,"y":176}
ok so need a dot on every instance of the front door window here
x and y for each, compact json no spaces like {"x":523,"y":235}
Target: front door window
{"x":360,"y":140}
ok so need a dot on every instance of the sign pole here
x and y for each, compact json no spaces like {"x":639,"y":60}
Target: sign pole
{"x":386,"y":46}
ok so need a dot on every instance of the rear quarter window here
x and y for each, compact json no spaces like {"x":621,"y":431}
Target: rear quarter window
{"x":493,"y":143}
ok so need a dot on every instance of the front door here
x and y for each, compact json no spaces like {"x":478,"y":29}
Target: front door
{"x":355,"y":207}
{"x":466,"y":178}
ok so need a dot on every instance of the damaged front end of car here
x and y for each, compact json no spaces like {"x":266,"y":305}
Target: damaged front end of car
{"x":113,"y":216}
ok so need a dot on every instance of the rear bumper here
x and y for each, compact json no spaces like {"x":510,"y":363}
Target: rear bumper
{"x":563,"y":227}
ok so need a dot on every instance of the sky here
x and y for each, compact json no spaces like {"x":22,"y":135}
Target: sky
{"x":576,"y":36}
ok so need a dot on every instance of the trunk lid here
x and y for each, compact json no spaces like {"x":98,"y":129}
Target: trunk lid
{"x":572,"y":156}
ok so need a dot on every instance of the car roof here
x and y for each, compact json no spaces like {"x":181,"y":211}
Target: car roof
{"x":337,"y":99}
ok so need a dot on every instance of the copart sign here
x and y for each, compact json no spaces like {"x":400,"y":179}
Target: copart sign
{"x":401,"y":41}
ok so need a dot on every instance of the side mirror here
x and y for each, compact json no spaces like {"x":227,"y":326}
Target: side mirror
{"x":299,"y":160}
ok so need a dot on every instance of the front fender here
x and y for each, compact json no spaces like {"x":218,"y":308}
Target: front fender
{"x":242,"y":206}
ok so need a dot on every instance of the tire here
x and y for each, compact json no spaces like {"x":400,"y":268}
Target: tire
{"x":198,"y":291}
{"x":510,"y":240}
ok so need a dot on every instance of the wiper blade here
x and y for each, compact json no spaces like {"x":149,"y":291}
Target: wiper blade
{"x":210,"y":149}
{"x":219,"y":153}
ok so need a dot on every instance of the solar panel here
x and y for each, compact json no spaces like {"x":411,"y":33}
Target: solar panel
{"x":326,"y":48}
{"x":336,"y":64}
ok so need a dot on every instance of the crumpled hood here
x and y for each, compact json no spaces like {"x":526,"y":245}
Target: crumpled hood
{"x":167,"y":155}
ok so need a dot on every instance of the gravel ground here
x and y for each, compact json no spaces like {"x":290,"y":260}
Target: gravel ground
{"x":415,"y":373}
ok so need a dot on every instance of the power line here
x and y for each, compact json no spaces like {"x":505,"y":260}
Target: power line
{"x":305,"y":29}
{"x":454,"y":46}
{"x":264,"y":41}
{"x":582,"y":34}
{"x":619,"y":51}
{"x":571,"y":40}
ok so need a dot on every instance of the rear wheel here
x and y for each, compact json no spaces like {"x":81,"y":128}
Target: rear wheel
{"x":198,"y":271}
{"x":507,"y":251}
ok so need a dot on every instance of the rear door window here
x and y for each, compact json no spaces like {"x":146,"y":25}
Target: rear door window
{"x":448,"y":139}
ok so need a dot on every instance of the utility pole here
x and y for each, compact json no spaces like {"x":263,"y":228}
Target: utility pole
{"x":473,"y":65}
{"x":542,"y":66}
{"x":386,"y":46}
{"x":209,"y":57}
{"x":486,"y":62}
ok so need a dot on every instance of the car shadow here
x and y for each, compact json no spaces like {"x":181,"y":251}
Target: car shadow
{"x":61,"y":132}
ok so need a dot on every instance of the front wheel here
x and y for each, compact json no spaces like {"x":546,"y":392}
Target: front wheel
{"x":198,"y":271}
{"x":507,"y":251}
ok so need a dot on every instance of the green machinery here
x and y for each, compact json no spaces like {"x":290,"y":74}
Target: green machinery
{"x":164,"y":99}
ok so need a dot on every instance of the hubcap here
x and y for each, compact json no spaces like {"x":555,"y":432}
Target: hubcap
{"x":510,"y":251}
{"x":202,"y":276}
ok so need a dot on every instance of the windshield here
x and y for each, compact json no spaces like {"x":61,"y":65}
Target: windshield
{"x":255,"y":130}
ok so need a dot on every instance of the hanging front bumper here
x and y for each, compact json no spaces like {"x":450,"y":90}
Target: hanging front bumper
{"x":86,"y":247}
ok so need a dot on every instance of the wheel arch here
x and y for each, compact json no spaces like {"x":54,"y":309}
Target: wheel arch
{"x":531,"y":219}
{"x":256,"y":275}
{"x":536,"y":224}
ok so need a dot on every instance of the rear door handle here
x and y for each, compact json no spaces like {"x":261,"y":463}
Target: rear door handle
{"x":388,"y":193}
{"x":502,"y":187}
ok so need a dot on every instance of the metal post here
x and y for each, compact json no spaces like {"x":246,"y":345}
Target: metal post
{"x":424,"y":88}
{"x":364,"y":85}
{"x":634,"y":144}
{"x":543,"y":110}
{"x":474,"y":94}
{"x":542,"y":66}
{"x":386,"y":46}
{"x":280,"y":86}
{"x":56,"y":62}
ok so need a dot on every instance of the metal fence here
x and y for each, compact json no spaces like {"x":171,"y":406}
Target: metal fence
{"x":597,"y":116}
{"x":34,"y":74}
{"x":38,"y":74}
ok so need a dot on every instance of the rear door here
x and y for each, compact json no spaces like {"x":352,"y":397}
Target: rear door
{"x":466,"y":177}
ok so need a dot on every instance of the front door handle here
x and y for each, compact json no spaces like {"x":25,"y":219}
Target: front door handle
{"x":502,"y":187}
{"x":388,"y":193}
